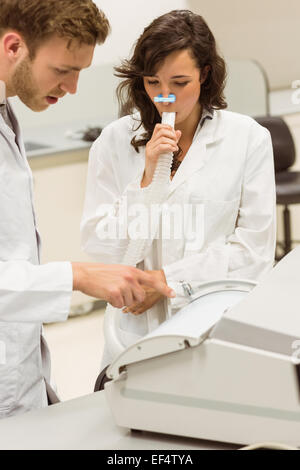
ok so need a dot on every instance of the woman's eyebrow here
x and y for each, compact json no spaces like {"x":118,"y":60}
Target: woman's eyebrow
{"x":181,"y":76}
{"x":174,"y":76}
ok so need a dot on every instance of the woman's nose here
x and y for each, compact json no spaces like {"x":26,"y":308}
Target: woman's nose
{"x":165,"y":93}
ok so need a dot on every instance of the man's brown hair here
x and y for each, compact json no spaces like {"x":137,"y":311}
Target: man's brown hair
{"x":38,"y":20}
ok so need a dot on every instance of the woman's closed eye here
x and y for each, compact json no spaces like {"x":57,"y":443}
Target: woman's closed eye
{"x":181,"y":83}
{"x":152,"y":82}
{"x":155,"y":82}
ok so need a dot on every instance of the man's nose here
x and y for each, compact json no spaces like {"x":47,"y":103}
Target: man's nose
{"x":69,"y":85}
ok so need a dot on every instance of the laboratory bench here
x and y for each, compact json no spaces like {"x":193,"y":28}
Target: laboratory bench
{"x":61,"y":144}
{"x":86,"y":423}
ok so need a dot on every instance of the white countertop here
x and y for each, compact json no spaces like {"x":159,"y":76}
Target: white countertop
{"x":54,"y":139}
{"x":86,"y":424}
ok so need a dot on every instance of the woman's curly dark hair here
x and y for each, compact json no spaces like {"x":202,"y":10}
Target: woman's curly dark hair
{"x":176,"y":30}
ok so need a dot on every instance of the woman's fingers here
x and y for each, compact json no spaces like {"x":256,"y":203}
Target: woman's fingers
{"x":138,"y":312}
{"x":162,"y":145}
{"x":128,"y":297}
{"x":165,"y":141}
{"x":134,"y":310}
{"x":178,"y":136}
{"x":165,"y":132}
{"x":165,"y":146}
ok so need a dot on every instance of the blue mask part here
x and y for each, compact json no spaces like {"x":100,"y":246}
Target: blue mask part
{"x":160,"y":99}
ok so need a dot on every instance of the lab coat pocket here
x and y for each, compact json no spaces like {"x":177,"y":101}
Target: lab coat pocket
{"x":211,"y":221}
{"x":8,"y":366}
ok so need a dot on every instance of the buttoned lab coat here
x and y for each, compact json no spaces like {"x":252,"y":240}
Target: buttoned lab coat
{"x":228,"y":171}
{"x":30,"y":294}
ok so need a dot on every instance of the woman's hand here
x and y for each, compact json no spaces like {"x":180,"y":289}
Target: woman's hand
{"x":152,"y":296}
{"x":164,"y":140}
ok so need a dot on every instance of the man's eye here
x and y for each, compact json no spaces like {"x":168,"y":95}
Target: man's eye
{"x":61,"y":72}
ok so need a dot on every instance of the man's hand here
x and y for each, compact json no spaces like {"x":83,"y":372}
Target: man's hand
{"x":117,"y":284}
{"x":152,"y":296}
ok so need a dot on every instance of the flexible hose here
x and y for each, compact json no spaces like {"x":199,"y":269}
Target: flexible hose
{"x":136,"y":248}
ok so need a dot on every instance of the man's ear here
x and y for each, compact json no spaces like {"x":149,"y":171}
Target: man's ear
{"x":204,"y":74}
{"x":14,"y":46}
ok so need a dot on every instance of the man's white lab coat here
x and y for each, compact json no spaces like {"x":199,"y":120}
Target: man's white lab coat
{"x":30,"y":294}
{"x":228,"y":171}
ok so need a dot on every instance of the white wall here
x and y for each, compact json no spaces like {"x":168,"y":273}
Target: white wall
{"x":265,"y":30}
{"x":128,"y":20}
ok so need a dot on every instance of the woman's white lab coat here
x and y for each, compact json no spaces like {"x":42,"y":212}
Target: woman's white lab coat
{"x":228,"y":170}
{"x":30,"y":295}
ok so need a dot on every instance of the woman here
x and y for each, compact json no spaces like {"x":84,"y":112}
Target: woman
{"x":223,"y":163}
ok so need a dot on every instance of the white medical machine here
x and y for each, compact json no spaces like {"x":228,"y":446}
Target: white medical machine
{"x":224,"y":368}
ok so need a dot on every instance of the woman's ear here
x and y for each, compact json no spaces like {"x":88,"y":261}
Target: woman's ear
{"x":204,"y":74}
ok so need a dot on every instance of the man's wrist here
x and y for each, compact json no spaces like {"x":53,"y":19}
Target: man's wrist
{"x":77,"y":276}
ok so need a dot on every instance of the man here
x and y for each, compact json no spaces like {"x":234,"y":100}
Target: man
{"x":44,"y":44}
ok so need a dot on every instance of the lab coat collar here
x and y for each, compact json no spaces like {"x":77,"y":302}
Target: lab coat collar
{"x":18,"y":131}
{"x":15,"y":138}
{"x":211,"y":131}
{"x":3,"y":101}
{"x":2,"y":92}
{"x":197,"y":156}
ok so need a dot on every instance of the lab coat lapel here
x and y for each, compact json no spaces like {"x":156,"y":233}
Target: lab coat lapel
{"x":6,"y":132}
{"x":18,"y":133}
{"x":198,"y":153}
{"x":14,"y":138}
{"x":18,"y":141}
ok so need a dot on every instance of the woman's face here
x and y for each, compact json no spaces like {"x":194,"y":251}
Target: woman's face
{"x":178,"y":74}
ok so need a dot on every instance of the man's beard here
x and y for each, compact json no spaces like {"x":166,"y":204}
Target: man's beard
{"x":25,"y":87}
